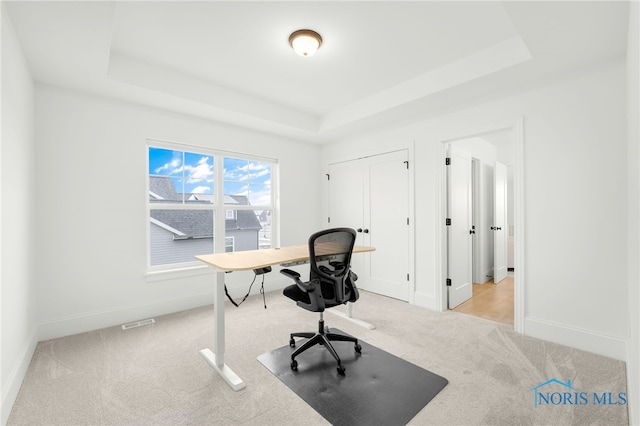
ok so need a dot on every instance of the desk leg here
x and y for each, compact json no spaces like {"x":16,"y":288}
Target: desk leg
{"x":349,"y":316}
{"x":216,"y":360}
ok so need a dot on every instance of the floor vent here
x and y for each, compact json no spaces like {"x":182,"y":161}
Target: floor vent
{"x":138,"y":323}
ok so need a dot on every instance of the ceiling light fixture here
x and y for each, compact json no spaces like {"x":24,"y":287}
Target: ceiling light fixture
{"x":305,"y":42}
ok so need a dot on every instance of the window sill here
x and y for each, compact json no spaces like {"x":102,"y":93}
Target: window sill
{"x":172,"y":274}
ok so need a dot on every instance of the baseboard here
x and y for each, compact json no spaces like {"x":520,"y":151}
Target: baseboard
{"x":633,"y":382}
{"x":96,"y":320}
{"x":425,"y":301}
{"x":89,"y":321}
{"x":586,"y":340}
{"x":11,"y":388}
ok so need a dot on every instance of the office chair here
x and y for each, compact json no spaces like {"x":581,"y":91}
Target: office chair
{"x":331,"y":283}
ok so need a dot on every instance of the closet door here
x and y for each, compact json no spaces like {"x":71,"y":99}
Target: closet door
{"x":371,"y":195}
{"x":346,"y":204}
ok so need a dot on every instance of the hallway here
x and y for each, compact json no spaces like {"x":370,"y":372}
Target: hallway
{"x":491,"y":301}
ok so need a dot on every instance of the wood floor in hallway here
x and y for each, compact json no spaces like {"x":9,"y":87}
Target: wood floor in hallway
{"x":491,"y":301}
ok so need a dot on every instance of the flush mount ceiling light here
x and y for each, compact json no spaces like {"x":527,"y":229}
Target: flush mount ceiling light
{"x":305,"y":42}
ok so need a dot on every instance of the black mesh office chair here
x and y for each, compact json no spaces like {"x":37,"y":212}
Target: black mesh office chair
{"x":331,"y":283}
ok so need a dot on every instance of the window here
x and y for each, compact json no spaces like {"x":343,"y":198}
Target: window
{"x":228,"y":244}
{"x":188,"y":188}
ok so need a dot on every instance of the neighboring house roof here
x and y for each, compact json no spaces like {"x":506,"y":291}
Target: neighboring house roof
{"x":195,"y":223}
{"x":161,"y":188}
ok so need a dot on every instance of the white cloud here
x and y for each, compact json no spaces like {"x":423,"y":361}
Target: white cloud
{"x":201,"y":190}
{"x":201,"y":172}
{"x":172,"y":167}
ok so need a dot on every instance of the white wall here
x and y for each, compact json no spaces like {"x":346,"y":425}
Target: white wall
{"x":18,"y":310}
{"x":575,"y":203}
{"x":91,"y":219}
{"x":633,"y":158}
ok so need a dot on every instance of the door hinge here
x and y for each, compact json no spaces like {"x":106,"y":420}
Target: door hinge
{"x":328,"y":176}
{"x":448,"y":282}
{"x":329,"y":219}
{"x":407,"y":221}
{"x":407,"y":277}
{"x":448,"y":221}
{"x":447,"y":161}
{"x":407,"y":164}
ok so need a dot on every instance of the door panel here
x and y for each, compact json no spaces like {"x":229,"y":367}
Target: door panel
{"x":372,"y":195}
{"x":388,"y":212}
{"x":346,"y":204}
{"x":459,"y":238}
{"x":500,"y":268}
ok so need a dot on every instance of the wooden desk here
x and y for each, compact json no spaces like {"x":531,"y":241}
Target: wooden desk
{"x":245,"y":261}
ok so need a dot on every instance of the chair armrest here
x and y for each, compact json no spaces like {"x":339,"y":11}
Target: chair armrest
{"x":290,"y":273}
{"x":307,"y":287}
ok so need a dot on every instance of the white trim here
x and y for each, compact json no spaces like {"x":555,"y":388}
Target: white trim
{"x":165,"y":226}
{"x":425,"y":300}
{"x":519,"y":204}
{"x":171,"y":271}
{"x":11,"y":386}
{"x":195,"y":269}
{"x":65,"y":326}
{"x":579,"y":338}
{"x":517,"y":125}
{"x":180,"y":146}
{"x":153,"y":194}
{"x":412,"y":222}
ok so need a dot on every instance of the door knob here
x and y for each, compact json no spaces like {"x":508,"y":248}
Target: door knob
{"x":359,"y":229}
{"x":366,"y":231}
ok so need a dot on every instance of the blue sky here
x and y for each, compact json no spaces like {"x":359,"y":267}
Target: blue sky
{"x":195,"y":173}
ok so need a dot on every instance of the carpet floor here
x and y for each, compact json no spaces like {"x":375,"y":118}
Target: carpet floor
{"x":154,"y":375}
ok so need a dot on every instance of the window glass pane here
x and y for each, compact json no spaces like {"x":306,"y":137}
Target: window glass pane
{"x":186,"y":179}
{"x":228,"y":244}
{"x":198,"y":177}
{"x":176,"y":236}
{"x":177,"y":176}
{"x":250,"y":229}
{"x":247,"y":182}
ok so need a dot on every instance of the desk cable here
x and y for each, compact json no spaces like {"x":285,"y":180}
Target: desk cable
{"x":256,"y":272}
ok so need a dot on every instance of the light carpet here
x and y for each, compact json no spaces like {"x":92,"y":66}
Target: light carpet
{"x":154,"y":375}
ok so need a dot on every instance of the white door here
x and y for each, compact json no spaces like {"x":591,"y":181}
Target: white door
{"x":459,"y":237}
{"x":499,"y":228}
{"x":346,"y":204}
{"x":379,"y":212}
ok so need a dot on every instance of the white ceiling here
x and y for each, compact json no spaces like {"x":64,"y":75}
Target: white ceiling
{"x":381,"y":63}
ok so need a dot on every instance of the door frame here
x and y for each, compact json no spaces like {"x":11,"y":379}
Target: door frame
{"x":517,"y":127}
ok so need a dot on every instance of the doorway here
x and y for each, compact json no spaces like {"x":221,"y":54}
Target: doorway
{"x":500,"y":300}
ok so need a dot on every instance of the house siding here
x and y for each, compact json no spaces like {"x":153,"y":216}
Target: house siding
{"x":165,"y":250}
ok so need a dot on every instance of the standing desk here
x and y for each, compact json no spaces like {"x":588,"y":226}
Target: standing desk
{"x":245,"y":261}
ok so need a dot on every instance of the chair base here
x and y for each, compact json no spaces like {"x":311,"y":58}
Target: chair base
{"x":322,"y":337}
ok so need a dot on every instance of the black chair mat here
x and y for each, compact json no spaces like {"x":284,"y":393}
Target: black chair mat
{"x":378,"y":388}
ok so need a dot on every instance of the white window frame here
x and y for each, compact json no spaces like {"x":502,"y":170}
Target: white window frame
{"x":233,"y":243}
{"x":179,"y":270}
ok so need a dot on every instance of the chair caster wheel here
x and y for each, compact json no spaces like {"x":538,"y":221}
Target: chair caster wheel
{"x":292,"y":343}
{"x":340,"y":370}
{"x":358,"y":348}
{"x":294,"y":365}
